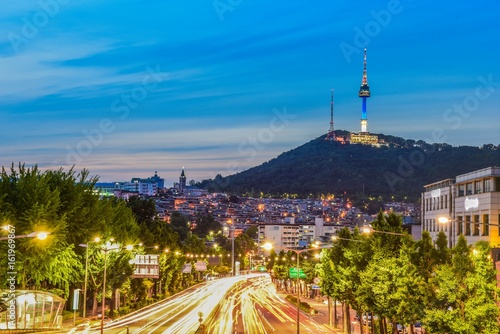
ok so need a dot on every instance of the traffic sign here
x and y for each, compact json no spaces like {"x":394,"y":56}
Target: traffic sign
{"x":293,"y":273}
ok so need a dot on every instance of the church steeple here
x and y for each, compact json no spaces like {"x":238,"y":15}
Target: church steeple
{"x":182,"y":181}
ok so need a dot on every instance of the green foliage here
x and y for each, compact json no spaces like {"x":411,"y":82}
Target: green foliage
{"x":179,"y":224}
{"x":206,"y":224}
{"x":449,"y":291}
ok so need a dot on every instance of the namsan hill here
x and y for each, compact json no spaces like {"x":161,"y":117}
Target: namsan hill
{"x":397,"y":169}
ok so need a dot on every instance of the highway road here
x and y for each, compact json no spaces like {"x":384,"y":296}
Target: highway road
{"x":244,"y":304}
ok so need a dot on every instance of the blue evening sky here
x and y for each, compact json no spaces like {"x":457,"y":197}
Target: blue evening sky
{"x":125,"y":88}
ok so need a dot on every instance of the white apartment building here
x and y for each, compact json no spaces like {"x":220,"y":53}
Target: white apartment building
{"x":471,"y":202}
{"x":279,"y":235}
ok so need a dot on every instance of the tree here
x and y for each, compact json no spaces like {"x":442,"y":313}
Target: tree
{"x":179,"y":224}
{"x":327,"y":275}
{"x":206,"y":224}
{"x":465,"y":293}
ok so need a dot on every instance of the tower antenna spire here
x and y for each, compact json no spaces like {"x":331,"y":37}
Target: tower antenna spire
{"x":364,"y":81}
{"x":331,"y":132}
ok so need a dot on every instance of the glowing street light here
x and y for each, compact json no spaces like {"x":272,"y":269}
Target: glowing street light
{"x":41,"y":235}
{"x":367,"y":229}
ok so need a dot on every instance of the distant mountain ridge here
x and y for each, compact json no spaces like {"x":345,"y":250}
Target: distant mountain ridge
{"x":400,"y":168}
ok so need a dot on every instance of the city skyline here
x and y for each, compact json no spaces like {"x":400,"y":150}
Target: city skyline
{"x":127,"y":89}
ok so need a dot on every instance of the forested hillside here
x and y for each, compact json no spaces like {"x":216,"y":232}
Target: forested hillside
{"x":400,"y":168}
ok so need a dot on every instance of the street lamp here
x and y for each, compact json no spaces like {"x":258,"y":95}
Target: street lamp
{"x":367,"y":229}
{"x":106,"y":249}
{"x":336,"y":237}
{"x":97,"y":239}
{"x":39,"y":235}
{"x":231,"y":231}
{"x":269,"y":246}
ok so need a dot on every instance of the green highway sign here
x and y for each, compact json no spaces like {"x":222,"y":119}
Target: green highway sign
{"x":293,"y":273}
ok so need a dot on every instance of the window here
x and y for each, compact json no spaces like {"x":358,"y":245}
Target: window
{"x":486,"y":227}
{"x":460,"y":225}
{"x":461,"y":190}
{"x":467,"y":225}
{"x":468,"y":188}
{"x":477,"y":187}
{"x":487,"y":185}
{"x":476,"y":224}
{"x":442,"y":200}
{"x":446,"y":201}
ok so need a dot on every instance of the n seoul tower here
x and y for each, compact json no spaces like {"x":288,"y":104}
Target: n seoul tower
{"x":364,"y":92}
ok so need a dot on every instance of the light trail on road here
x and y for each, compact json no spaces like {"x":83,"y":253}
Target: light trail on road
{"x":245,"y":304}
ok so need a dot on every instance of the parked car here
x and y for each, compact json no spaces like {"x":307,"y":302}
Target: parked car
{"x":401,"y":329}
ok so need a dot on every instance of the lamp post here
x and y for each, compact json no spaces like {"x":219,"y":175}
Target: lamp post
{"x":297,"y":252}
{"x":38,"y":235}
{"x":106,"y":249}
{"x":103,"y":307}
{"x":86,"y":274}
{"x":367,"y":229}
{"x":232,"y":250}
{"x":231,"y":232}
{"x":335,"y":238}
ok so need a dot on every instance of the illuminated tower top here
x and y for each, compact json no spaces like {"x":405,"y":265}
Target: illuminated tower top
{"x":364,"y":90}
